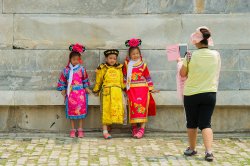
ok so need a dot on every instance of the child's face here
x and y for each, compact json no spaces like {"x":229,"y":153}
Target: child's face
{"x":135,"y":54}
{"x":75,"y":60}
{"x":111,"y":59}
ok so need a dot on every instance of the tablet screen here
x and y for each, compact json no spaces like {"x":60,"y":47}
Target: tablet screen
{"x":183,"y":49}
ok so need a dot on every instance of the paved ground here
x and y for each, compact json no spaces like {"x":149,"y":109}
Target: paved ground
{"x":154,"y":149}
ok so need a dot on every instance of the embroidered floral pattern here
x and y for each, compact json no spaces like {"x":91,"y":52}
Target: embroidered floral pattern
{"x":136,"y":76}
{"x":139,"y":108}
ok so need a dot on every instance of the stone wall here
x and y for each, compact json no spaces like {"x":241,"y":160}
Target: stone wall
{"x":35,"y":35}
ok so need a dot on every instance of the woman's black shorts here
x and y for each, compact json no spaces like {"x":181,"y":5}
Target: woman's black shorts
{"x":199,"y":109}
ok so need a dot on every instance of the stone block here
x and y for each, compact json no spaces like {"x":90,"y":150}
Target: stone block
{"x":198,"y":6}
{"x":226,"y":32}
{"x":229,"y":59}
{"x":168,"y":119}
{"x":157,"y":60}
{"x":6,"y":118}
{"x":170,"y":6}
{"x":244,"y":59}
{"x":6,"y":81}
{"x":1,"y":6}
{"x":57,"y":31}
{"x":224,"y":6}
{"x":20,"y":60}
{"x":24,"y":80}
{"x":52,"y":118}
{"x":7,"y":98}
{"x":85,"y":7}
{"x":6,"y":33}
{"x":239,"y":119}
{"x":172,"y":119}
{"x":57,"y":60}
{"x":244,"y":80}
{"x":164,"y":98}
{"x":229,"y":80}
{"x":233,"y":98}
{"x":164,"y":80}
{"x":33,"y":80}
{"x":43,"y":60}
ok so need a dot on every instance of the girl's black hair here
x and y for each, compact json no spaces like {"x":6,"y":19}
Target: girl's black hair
{"x":73,"y":54}
{"x":206,"y":34}
{"x":133,"y":48}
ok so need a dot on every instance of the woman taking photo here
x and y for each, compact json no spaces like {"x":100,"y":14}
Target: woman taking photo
{"x":202,"y":71}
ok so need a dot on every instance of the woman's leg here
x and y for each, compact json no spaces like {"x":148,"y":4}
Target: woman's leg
{"x":206,"y":112}
{"x":192,"y":137}
{"x":207,"y":135}
{"x":192,"y":115}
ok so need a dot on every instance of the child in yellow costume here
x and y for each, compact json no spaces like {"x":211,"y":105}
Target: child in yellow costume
{"x":110,"y":86}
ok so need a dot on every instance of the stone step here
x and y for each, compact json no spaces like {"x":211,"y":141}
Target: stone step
{"x":164,"y":98}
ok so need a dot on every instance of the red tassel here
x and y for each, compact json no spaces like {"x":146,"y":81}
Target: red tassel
{"x":80,"y":60}
{"x":152,"y":106}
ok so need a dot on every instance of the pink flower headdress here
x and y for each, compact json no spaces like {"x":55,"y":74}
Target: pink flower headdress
{"x":133,"y":42}
{"x":76,"y":48}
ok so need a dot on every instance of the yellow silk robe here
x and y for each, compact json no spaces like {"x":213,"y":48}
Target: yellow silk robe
{"x":109,"y":84}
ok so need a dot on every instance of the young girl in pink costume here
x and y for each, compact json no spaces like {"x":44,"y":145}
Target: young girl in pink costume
{"x":73,"y":84}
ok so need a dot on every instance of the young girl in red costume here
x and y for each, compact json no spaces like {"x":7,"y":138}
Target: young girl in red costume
{"x":139,"y":87}
{"x":73,"y":84}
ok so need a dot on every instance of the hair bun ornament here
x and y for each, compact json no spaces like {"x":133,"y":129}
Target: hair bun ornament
{"x":198,"y":36}
{"x":111,"y":51}
{"x":133,"y":42}
{"x":77,"y":48}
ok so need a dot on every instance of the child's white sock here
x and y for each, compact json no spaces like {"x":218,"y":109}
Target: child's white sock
{"x":105,"y":132}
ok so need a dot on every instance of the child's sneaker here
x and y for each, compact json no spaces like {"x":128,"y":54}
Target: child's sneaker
{"x":72,"y":133}
{"x":134,"y":131}
{"x":140,"y":133}
{"x":107,"y":136}
{"x":209,"y":157}
{"x":80,"y":133}
{"x":189,"y":152}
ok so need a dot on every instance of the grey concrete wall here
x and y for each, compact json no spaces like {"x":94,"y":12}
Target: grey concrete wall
{"x":39,"y":69}
{"x":35,"y":35}
{"x":171,"y":119}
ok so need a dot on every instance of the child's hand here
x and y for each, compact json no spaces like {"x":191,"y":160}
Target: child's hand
{"x":88,"y":91}
{"x":154,"y":91}
{"x":188,"y":55}
{"x":96,"y":94}
{"x":63,"y":92}
{"x":179,"y":59}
